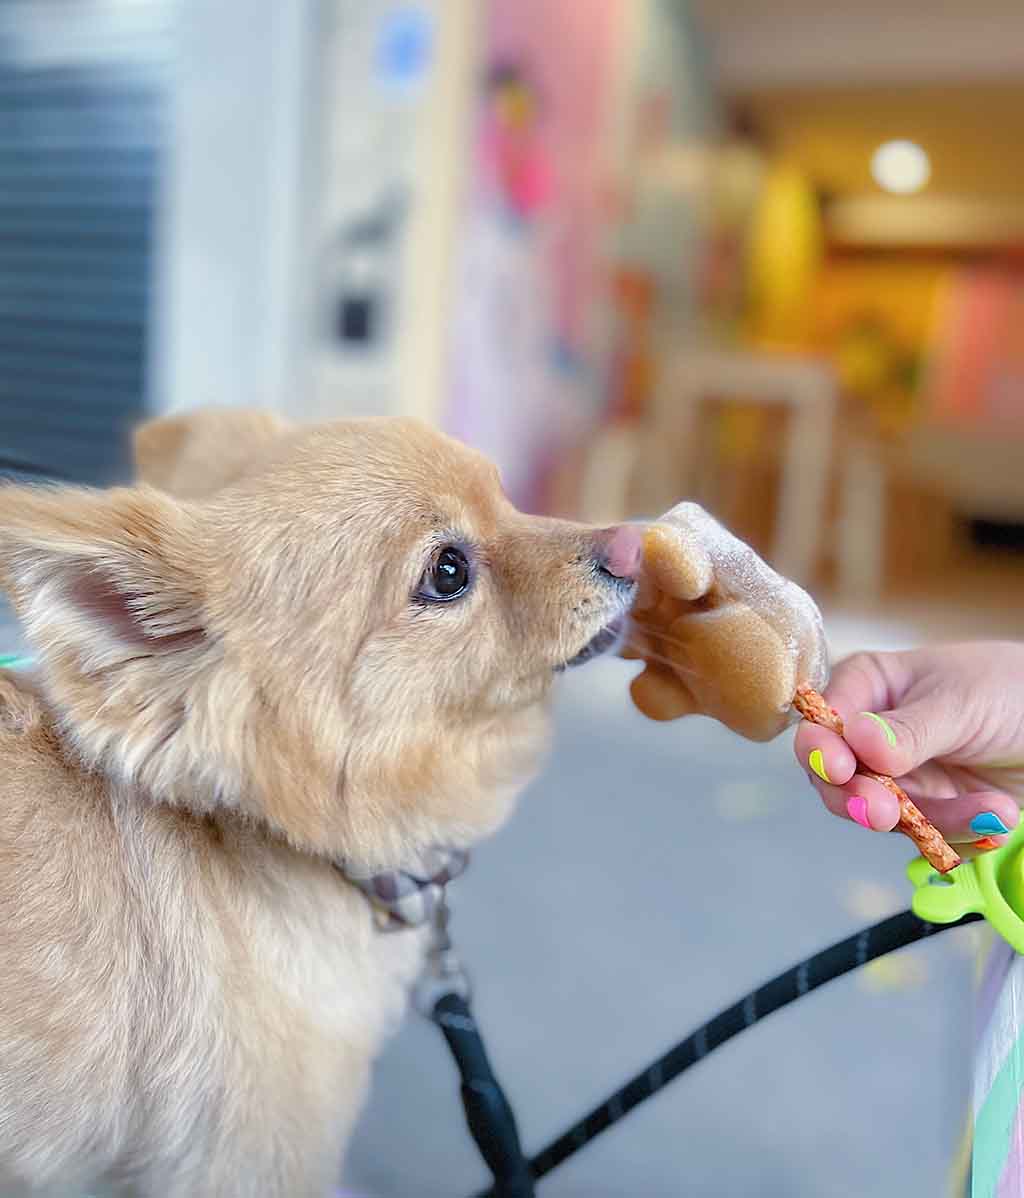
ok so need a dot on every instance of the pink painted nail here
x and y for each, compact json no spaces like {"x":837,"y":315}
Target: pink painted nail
{"x":858,"y":809}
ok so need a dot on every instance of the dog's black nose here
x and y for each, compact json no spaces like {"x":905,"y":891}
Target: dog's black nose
{"x":620,"y":551}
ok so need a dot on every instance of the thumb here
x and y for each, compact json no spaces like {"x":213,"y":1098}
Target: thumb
{"x":898,"y":741}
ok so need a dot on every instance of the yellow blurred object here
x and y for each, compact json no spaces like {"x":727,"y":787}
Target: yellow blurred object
{"x":736,"y":172}
{"x":879,"y":372}
{"x":739,"y":433}
{"x":864,"y":363}
{"x":785,"y":256}
{"x":903,"y":296}
{"x":869,"y":900}
{"x":515,"y":106}
{"x":895,"y":409}
{"x":889,"y":974}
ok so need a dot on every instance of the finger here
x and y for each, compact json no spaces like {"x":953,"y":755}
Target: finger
{"x":972,"y":817}
{"x":863,"y":801}
{"x":824,"y":753}
{"x":868,"y":682}
{"x":896,"y":741}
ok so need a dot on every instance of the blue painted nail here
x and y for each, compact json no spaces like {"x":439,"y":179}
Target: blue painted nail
{"x":987,"y":823}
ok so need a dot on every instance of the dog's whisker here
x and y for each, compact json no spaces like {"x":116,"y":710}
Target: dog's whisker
{"x":660,"y":637}
{"x":652,"y":655}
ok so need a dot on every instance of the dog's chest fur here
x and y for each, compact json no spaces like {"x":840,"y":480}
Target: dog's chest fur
{"x":185,"y":1008}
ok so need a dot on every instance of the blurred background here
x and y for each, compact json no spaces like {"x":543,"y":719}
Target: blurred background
{"x":768,"y":254}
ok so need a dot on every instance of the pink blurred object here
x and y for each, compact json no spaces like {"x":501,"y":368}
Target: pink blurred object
{"x":977,"y":370}
{"x":568,"y":50}
{"x":517,"y":168}
{"x":520,"y":391}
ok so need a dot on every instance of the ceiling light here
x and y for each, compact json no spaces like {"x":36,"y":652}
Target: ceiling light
{"x":901,"y":167}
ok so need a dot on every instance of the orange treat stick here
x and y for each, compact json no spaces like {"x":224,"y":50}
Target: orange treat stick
{"x":929,"y":840}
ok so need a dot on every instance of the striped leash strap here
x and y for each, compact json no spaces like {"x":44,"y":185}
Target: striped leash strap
{"x":843,"y":957}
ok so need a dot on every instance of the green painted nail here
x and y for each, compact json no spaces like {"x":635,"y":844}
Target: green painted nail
{"x":890,"y":736}
{"x":817,"y":763}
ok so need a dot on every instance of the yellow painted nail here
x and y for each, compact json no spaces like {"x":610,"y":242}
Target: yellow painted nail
{"x":817,"y":763}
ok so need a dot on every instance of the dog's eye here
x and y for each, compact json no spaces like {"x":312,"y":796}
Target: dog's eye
{"x":447,"y":576}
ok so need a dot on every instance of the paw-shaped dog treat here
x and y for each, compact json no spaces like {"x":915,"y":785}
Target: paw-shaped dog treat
{"x":720,"y":632}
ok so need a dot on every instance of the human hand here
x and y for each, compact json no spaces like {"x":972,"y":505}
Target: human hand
{"x":947,"y":722}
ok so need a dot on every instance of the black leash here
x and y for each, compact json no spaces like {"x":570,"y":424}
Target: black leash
{"x":443,"y":995}
{"x":489,"y":1114}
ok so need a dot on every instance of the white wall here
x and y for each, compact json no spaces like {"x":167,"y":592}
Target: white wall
{"x":225,"y":317}
{"x":282,"y":132}
{"x":442,"y":165}
{"x":381,"y":138}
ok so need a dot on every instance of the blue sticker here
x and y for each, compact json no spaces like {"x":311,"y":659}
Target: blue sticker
{"x":405,"y":47}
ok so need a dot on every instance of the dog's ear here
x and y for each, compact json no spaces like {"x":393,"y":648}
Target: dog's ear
{"x":110,"y":589}
{"x":101,"y":578}
{"x":196,"y":453}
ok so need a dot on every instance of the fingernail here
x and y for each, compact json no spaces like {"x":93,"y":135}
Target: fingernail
{"x":890,"y":736}
{"x":985,"y":844}
{"x":858,"y":810}
{"x":987,"y":823}
{"x":817,"y":763}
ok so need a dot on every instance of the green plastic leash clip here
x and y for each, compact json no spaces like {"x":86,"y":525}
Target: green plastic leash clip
{"x":991,"y":885}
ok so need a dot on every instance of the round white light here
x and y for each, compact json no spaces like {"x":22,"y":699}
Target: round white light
{"x":901,"y":167}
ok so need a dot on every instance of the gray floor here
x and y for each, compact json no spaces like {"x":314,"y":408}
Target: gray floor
{"x":653,"y":875}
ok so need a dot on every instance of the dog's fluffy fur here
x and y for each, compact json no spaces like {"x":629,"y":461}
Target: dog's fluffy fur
{"x":236,"y":688}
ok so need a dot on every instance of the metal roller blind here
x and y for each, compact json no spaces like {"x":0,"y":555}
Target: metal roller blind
{"x":83,"y":88}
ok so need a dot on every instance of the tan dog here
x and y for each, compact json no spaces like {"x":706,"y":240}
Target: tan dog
{"x":341,"y":655}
